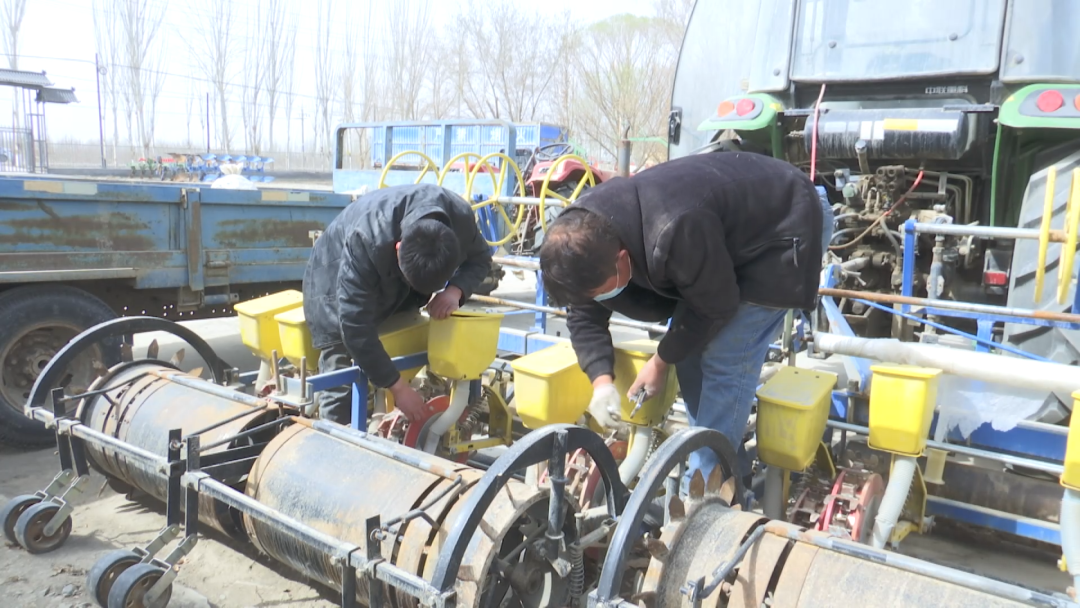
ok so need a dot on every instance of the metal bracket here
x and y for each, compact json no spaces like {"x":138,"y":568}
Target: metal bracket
{"x":171,"y":572}
{"x":66,"y":507}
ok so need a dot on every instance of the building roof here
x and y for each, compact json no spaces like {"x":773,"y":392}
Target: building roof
{"x":20,"y":78}
{"x":56,"y":95}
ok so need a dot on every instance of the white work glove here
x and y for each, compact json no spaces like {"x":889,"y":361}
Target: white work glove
{"x":606,"y":405}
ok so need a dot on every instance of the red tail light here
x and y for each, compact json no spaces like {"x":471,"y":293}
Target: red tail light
{"x":744,"y":107}
{"x":995,"y":278}
{"x":1076,"y":102}
{"x":1050,"y":101}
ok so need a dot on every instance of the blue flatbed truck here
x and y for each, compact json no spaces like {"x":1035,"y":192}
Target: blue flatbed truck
{"x":75,"y":253}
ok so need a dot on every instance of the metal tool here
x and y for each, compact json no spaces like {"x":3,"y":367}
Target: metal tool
{"x":639,"y":398}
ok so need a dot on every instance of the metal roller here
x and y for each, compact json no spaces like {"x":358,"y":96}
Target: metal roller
{"x":334,"y":480}
{"x":139,"y":402}
{"x":736,"y":560}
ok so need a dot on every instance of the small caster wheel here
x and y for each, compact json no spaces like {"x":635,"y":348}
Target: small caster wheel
{"x":30,"y":528}
{"x":10,"y":512}
{"x":130,"y":588}
{"x":106,"y":570}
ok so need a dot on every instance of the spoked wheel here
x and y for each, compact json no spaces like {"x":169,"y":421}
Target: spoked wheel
{"x":38,"y":321}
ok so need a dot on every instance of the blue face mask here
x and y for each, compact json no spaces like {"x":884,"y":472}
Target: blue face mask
{"x":614,"y":292}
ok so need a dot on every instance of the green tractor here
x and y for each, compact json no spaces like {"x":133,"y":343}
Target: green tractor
{"x":950,"y":112}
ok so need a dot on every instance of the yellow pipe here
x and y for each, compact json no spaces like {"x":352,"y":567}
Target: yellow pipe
{"x":430,"y":164}
{"x":1044,"y":235}
{"x":545,"y":191}
{"x":498,"y":183}
{"x":1068,"y":252}
{"x":464,"y":155}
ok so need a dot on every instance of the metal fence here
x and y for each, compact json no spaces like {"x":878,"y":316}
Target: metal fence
{"x":16,"y":151}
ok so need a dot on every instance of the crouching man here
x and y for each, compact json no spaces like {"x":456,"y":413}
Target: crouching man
{"x":721,"y":244}
{"x":387,"y":253}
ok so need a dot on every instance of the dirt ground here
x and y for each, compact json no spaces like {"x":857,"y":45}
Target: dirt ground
{"x":225,"y":574}
{"x":218,"y":573}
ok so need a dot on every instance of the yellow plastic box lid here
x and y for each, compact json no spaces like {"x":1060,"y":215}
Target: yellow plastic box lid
{"x":258,"y":329}
{"x":296,"y":338}
{"x":550,"y":387}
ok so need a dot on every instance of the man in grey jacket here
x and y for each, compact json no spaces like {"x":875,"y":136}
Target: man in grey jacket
{"x":386,"y":253}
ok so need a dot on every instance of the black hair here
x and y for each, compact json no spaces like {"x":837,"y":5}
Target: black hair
{"x":428,"y":254}
{"x":578,"y":256}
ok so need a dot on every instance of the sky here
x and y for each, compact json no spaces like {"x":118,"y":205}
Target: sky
{"x":58,"y":36}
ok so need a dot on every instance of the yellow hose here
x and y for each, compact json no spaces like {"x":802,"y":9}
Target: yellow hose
{"x":498,"y":183}
{"x":429,"y":165}
{"x":545,"y":191}
{"x":465,"y":156}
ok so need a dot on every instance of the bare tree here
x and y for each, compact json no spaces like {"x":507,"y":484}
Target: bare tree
{"x":142,"y":54}
{"x":278,"y":47}
{"x":212,"y":49}
{"x":107,"y":41}
{"x":673,"y":16}
{"x":254,"y":76}
{"x":11,"y":17}
{"x":517,"y":55}
{"x":325,"y":72}
{"x":410,"y":53}
{"x":619,"y":66}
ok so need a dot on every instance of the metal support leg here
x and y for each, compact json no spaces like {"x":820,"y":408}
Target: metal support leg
{"x":75,"y":469}
{"x":191,"y":521}
{"x":373,"y":552}
{"x":541,"y":300}
{"x":359,"y":401}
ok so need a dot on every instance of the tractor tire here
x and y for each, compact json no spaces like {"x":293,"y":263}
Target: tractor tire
{"x":38,"y":320}
{"x":1061,"y":345}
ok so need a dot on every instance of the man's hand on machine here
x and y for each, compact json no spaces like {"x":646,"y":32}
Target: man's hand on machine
{"x":408,"y":400}
{"x":606,"y":403}
{"x":651,"y":378}
{"x":444,"y":303}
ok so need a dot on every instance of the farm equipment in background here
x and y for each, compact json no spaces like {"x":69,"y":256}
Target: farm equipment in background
{"x":182,"y":167}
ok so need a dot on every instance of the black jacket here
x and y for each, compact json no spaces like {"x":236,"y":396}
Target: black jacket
{"x":704,"y":232}
{"x":353,"y":282}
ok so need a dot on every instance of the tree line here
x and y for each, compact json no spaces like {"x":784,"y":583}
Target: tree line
{"x":379,"y":62}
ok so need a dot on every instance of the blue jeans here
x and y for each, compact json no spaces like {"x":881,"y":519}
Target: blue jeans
{"x":719,"y":384}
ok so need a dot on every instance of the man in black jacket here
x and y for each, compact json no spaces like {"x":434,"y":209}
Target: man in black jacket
{"x":386,"y":253}
{"x":722,"y":244}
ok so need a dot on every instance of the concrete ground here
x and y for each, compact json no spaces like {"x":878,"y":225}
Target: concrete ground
{"x":223,"y":573}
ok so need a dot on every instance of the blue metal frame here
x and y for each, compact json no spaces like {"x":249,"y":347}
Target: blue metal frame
{"x":995,"y":520}
{"x":359,"y":381}
{"x":347,"y":180}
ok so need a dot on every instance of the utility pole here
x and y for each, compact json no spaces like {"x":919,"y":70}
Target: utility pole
{"x":303,"y":152}
{"x":99,"y":71}
{"x":208,"y":123}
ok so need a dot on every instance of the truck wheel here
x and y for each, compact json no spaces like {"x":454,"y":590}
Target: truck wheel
{"x":1060,"y":345}
{"x":38,"y":321}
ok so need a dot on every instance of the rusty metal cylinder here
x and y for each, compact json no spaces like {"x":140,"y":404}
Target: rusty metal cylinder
{"x":334,"y":485}
{"x":145,"y":405}
{"x":785,"y":568}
